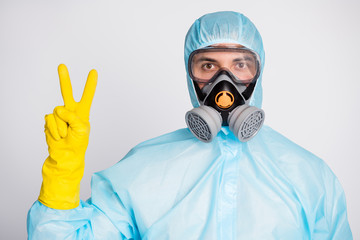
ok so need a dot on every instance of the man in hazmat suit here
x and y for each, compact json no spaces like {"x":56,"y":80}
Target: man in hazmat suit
{"x":224,"y":177}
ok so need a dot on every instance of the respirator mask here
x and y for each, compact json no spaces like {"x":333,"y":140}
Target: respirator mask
{"x":224,"y":80}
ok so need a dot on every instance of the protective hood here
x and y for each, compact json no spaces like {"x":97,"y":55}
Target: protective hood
{"x":224,"y":27}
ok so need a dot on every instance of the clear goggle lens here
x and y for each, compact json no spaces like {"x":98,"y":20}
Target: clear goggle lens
{"x":206,"y":63}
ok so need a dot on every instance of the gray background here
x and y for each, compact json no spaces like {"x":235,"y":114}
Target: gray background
{"x":311,"y":82}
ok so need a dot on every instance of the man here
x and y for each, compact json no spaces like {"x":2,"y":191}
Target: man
{"x":234,"y":180}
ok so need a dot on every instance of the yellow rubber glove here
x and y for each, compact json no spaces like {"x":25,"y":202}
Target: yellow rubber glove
{"x":67,"y":135}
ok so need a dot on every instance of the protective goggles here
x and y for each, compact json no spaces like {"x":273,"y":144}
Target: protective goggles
{"x":206,"y":64}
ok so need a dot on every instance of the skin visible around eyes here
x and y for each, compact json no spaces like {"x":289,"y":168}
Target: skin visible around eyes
{"x":206,"y":64}
{"x":222,"y":56}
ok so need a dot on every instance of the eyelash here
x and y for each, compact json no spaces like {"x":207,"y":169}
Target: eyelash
{"x":241,"y":63}
{"x":204,"y":66}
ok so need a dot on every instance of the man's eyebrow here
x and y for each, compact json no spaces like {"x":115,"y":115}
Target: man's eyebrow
{"x":246,"y":58}
{"x":205,"y":59}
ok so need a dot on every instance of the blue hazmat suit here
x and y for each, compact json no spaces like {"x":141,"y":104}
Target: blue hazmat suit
{"x":177,"y":187}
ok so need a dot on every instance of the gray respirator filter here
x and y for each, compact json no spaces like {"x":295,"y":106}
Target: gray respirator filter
{"x":244,"y":121}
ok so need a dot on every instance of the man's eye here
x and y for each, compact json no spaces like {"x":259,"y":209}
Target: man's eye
{"x":241,"y":65}
{"x":208,"y":66}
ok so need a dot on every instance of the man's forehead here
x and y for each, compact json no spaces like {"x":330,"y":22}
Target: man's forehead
{"x":219,"y":56}
{"x":227,"y":45}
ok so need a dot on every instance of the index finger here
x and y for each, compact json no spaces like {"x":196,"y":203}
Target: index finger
{"x":65,"y":85}
{"x":88,"y":94}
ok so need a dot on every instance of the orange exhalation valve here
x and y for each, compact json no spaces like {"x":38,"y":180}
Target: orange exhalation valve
{"x":224,"y":99}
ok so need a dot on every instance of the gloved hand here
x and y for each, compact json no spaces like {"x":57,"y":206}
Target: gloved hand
{"x":67,"y":135}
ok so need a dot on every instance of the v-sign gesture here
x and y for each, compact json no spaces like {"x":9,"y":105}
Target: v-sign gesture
{"x":67,"y":135}
{"x":82,"y":108}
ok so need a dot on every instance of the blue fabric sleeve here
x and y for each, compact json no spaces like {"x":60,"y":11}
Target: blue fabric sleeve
{"x":331,"y":214}
{"x":83,"y":222}
{"x":87,"y":221}
{"x":47,"y":223}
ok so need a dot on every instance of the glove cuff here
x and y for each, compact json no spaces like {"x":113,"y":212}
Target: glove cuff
{"x":60,"y":188}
